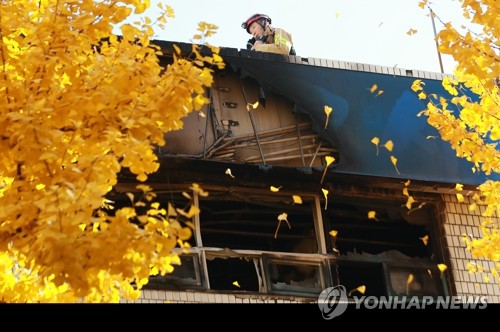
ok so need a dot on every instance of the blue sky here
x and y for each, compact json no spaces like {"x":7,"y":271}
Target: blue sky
{"x":365,"y":31}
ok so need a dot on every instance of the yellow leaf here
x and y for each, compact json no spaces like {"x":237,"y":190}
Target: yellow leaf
{"x":252,"y":106}
{"x":281,"y":217}
{"x":329,"y":160}
{"x":373,"y":88}
{"x":337,"y":15}
{"x":405,"y":192}
{"x":228,"y":172}
{"x":417,"y":85}
{"x":325,"y":193}
{"x":409,"y":280}
{"x":275,"y":189}
{"x":361,"y":289}
{"x":407,"y":183}
{"x":442,"y":267}
{"x":394,"y":161}
{"x":460,"y":198}
{"x":459,"y":187}
{"x":425,"y":239}
{"x":297,"y":199}
{"x":333,"y":233}
{"x":409,"y":202}
{"x":411,"y":32}
{"x":389,"y":145}
{"x":235,"y":283}
{"x":379,"y":93}
{"x":372,"y":215}
{"x":327,"y":110}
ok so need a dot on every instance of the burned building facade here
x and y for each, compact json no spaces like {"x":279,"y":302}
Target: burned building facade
{"x":280,"y":223}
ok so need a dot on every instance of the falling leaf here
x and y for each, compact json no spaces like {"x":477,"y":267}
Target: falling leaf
{"x":459,"y":187}
{"x":389,"y":145}
{"x":275,"y":189}
{"x":376,"y":141}
{"x":431,"y":137}
{"x":281,"y":217}
{"x":333,"y":233}
{"x":460,"y":198}
{"x":361,"y":289}
{"x":409,"y":280}
{"x":429,"y":272}
{"x":252,"y":106}
{"x":425,"y":239}
{"x":411,"y":32}
{"x":379,"y":93}
{"x":409,"y":202}
{"x":373,"y":88}
{"x":328,"y":160}
{"x":228,"y":172}
{"x":372,"y":215}
{"x":394,"y":161}
{"x":297,"y":199}
{"x":442,"y":267}
{"x":407,"y":183}
{"x":405,"y":192}
{"x":325,"y":193}
{"x":236,"y":284}
{"x":200,"y":113}
{"x":327,"y":110}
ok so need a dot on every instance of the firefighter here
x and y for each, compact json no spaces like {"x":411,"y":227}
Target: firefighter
{"x":267,"y":38}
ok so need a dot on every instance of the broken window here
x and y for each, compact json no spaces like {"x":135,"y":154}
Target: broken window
{"x":264,"y":242}
{"x":294,"y":276}
{"x":379,"y":244}
{"x":186,"y":275}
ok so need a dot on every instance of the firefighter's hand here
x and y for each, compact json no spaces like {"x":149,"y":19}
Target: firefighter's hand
{"x":257,"y":42}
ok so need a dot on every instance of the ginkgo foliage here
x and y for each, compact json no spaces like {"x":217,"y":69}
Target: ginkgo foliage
{"x":472,"y":125}
{"x":77,"y":106}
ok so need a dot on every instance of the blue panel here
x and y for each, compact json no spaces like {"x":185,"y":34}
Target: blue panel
{"x":359,"y":115}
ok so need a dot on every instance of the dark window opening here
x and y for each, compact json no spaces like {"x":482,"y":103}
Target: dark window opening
{"x":394,"y":229}
{"x":353,"y":275}
{"x":412,"y":280}
{"x":183,"y":276}
{"x":294,"y":277}
{"x":232,"y":274}
{"x":253,"y":224}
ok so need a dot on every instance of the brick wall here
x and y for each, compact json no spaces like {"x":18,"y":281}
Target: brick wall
{"x":458,"y":220}
{"x":159,"y":296}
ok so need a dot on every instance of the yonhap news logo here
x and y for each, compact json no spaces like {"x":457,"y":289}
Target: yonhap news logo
{"x":333,"y":302}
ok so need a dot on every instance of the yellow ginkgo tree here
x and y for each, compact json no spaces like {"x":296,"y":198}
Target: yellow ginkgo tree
{"x":78,"y":105}
{"x":470,"y":121}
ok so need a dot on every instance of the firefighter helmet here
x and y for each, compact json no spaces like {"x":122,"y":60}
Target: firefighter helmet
{"x":255,"y":18}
